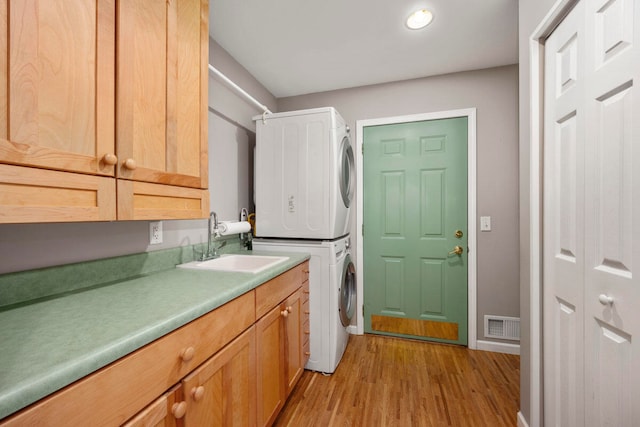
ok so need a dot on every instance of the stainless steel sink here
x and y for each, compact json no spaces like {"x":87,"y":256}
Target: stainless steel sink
{"x":237,"y":263}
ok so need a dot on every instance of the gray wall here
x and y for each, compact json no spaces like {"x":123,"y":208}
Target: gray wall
{"x":530,"y":14}
{"x":232,"y":135}
{"x":28,"y":246}
{"x":494,"y":92}
{"x":225,"y":101}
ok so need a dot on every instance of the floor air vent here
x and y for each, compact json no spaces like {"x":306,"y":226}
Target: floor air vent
{"x":506,"y":328}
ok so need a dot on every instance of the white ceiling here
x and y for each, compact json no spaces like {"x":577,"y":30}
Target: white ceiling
{"x":296,"y":47}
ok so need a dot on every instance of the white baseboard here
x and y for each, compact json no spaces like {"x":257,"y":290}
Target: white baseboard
{"x":498,"y":347}
{"x":352,"y":329}
{"x":521,"y":421}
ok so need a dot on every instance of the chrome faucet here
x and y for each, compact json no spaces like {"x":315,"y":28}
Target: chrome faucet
{"x":212,"y":233}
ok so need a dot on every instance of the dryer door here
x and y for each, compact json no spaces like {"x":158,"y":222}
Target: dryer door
{"x":347,"y":292}
{"x":346,"y":171}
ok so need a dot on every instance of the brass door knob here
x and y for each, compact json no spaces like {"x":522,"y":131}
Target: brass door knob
{"x":457,"y":250}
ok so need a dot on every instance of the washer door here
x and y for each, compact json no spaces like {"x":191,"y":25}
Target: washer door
{"x":347,"y":292}
{"x":346,"y":166}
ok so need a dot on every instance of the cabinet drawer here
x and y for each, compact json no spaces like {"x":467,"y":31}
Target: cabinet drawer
{"x":126,"y":386}
{"x":277,"y":289}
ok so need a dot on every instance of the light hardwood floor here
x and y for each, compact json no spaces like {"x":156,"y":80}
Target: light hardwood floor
{"x":383,"y":381}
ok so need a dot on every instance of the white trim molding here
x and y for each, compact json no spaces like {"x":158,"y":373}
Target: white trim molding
{"x":536,"y":53}
{"x":470,"y":114}
{"x":498,"y":347}
{"x":521,"y":421}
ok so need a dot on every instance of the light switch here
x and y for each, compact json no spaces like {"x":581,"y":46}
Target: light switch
{"x":485,"y":223}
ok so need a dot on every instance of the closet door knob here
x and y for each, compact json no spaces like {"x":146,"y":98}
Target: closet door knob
{"x":605,"y":299}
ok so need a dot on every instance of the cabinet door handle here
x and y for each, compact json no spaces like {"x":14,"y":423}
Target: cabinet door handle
{"x":187,"y":354}
{"x":179,"y":409}
{"x":110,"y":159}
{"x":130,"y":164}
{"x":289,"y":309}
{"x":306,"y":353}
{"x":197,"y":393}
{"x":284,"y":313}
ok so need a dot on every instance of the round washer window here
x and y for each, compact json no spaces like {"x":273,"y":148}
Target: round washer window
{"x":348,"y":292}
{"x":347,"y":165}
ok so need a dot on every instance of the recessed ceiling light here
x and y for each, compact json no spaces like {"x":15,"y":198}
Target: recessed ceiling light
{"x":419,"y":19}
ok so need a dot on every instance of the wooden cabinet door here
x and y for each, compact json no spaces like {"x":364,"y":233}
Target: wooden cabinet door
{"x":271,"y":367}
{"x":162,"y":91}
{"x":294,"y":358}
{"x":164,"y":412}
{"x":57,"y":62}
{"x":222,"y":392}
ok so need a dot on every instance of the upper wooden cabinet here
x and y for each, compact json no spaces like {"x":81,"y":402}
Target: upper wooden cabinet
{"x":114,"y":89}
{"x":162,"y":91}
{"x":57,"y":84}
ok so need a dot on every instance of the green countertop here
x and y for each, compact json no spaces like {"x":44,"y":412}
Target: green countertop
{"x":52,"y":342}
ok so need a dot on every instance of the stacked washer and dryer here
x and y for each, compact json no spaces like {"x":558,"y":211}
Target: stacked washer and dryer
{"x":304,"y":186}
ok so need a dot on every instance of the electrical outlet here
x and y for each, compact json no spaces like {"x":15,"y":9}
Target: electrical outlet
{"x":155,"y":232}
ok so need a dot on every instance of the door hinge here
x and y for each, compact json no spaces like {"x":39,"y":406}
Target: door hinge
{"x":362,"y":310}
{"x":362,"y":148}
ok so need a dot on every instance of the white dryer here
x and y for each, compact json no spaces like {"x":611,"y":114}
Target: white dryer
{"x":332,"y":296}
{"x":304,"y":174}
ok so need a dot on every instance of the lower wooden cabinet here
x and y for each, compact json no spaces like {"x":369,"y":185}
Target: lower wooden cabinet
{"x":281,"y":361}
{"x":222,"y":369}
{"x":222,"y":391}
{"x":294,"y":359}
{"x":271,"y":370}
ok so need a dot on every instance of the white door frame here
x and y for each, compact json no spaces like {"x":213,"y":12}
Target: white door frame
{"x":536,"y":133}
{"x":470,"y":114}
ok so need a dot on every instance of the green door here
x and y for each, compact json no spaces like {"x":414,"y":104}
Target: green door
{"x":415,"y":215}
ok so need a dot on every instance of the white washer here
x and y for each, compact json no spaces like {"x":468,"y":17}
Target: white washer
{"x":304,"y":174}
{"x":332,"y":296}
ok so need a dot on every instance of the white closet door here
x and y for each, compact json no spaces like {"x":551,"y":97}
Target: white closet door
{"x":592,"y":217}
{"x":563,"y":250}
{"x":612,"y":214}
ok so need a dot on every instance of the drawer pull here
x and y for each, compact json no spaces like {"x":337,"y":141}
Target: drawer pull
{"x":306,"y":353}
{"x":179,"y":409}
{"x":284,"y":313}
{"x":197,"y":393}
{"x":306,"y":312}
{"x":305,"y":271}
{"x":307,"y":332}
{"x":305,"y":292}
{"x":187,"y":354}
{"x":289,"y":309}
